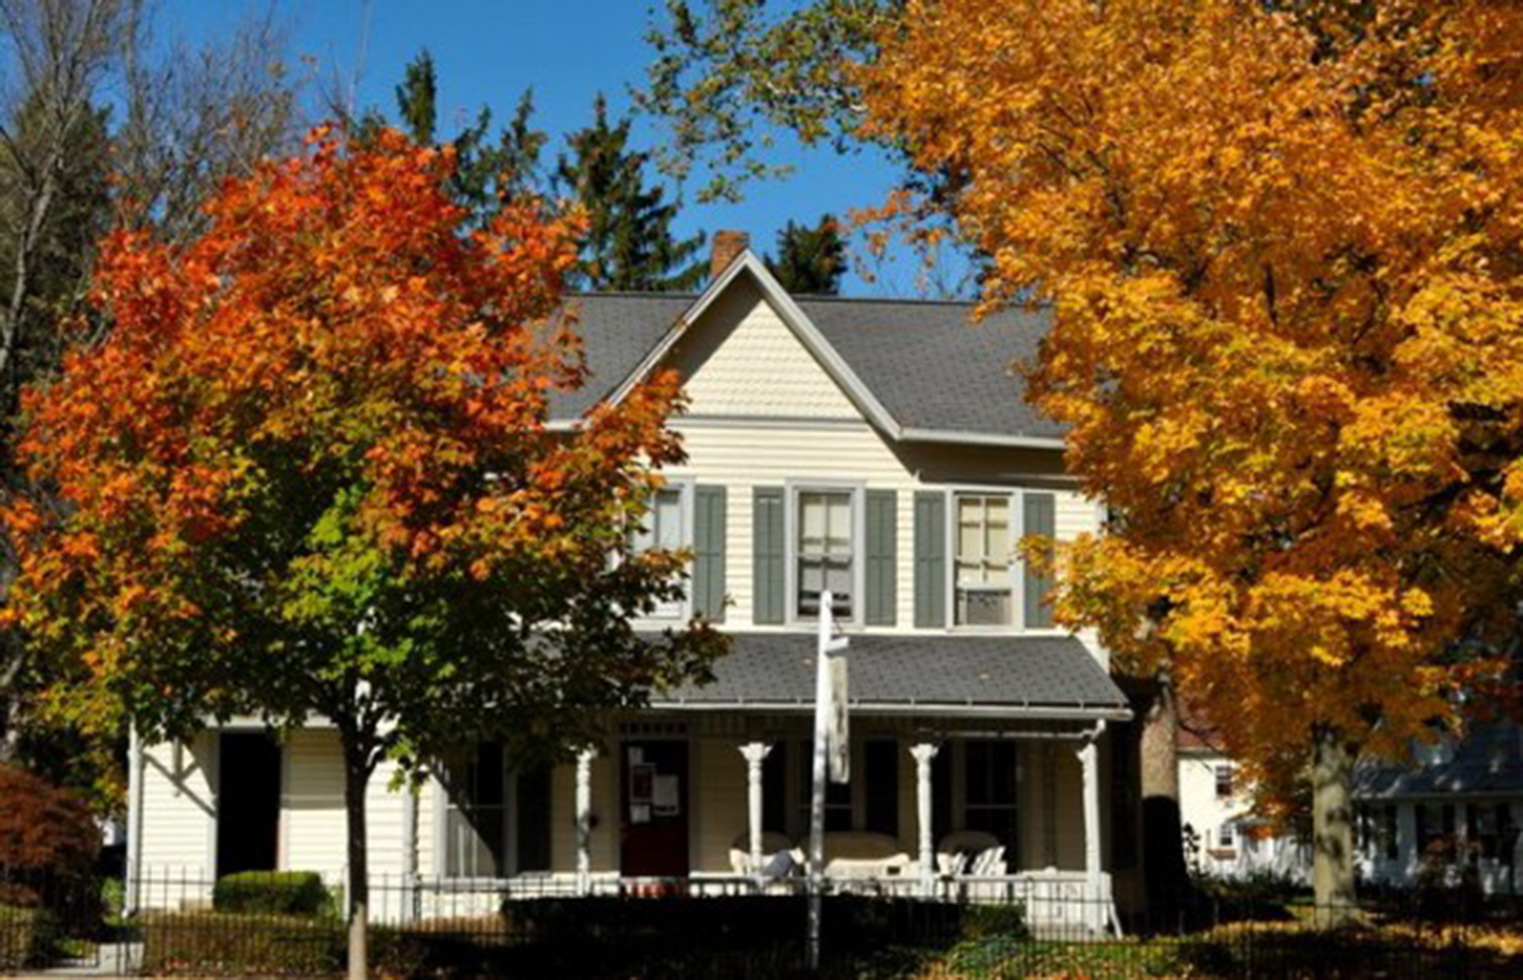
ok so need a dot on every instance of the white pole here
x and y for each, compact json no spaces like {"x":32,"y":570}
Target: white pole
{"x":817,"y":782}
{"x":135,"y":772}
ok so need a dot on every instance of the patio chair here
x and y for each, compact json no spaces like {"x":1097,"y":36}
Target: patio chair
{"x":970,"y":853}
{"x":773,"y":844}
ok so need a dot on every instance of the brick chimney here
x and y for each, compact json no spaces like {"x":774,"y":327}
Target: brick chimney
{"x":726,"y":249}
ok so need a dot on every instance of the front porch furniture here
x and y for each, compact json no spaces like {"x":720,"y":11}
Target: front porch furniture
{"x":859,"y":855}
{"x":773,"y":844}
{"x":970,"y":852}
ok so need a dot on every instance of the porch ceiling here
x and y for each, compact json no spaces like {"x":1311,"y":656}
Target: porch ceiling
{"x":1049,"y":676}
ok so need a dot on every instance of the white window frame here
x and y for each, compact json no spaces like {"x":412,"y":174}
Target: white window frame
{"x":1220,"y":772}
{"x":444,"y":803}
{"x":858,"y":491}
{"x":1017,"y":497}
{"x":681,"y":610}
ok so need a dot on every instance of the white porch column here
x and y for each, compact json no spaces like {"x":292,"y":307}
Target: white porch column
{"x":755,"y":753}
{"x":923,"y":753}
{"x":584,"y":821}
{"x":1095,"y":910}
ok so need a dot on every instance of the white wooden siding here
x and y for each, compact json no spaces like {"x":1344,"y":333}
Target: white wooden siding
{"x":744,"y":360}
{"x":179,"y":809}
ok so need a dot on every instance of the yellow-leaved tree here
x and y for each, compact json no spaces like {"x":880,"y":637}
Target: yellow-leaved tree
{"x":1281,"y":243}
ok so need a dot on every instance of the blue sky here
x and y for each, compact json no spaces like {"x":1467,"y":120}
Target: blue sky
{"x":488,"y":52}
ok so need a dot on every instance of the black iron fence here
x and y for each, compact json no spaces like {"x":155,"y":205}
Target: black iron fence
{"x":292,"y":924}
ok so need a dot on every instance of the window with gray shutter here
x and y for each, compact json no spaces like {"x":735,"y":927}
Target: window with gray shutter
{"x":882,"y":557}
{"x":768,"y":556}
{"x":1039,"y":517}
{"x":708,"y":552}
{"x":930,"y":559}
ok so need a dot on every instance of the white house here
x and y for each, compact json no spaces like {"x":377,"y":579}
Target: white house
{"x":877,"y":449}
{"x":1453,"y":812}
{"x":1216,"y":810}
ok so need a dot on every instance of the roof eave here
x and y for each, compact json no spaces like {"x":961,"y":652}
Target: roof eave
{"x":964,"y":438}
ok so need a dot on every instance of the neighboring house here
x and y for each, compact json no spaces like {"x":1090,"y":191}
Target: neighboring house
{"x":1450,"y":815}
{"x":1224,"y":836}
{"x":878,"y":449}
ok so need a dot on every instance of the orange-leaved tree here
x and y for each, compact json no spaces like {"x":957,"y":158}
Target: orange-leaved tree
{"x":310,"y":477}
{"x":1281,"y":244}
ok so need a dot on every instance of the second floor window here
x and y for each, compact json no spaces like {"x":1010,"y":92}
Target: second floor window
{"x":984,"y":593}
{"x":1223,"y":781}
{"x":664,"y":528}
{"x":826,"y":551}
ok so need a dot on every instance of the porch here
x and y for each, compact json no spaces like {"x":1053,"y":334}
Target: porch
{"x":960,"y":789}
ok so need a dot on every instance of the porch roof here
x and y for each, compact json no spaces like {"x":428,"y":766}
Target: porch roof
{"x":1037,"y":676}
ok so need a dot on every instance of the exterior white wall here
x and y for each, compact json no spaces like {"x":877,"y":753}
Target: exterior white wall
{"x":179,"y":810}
{"x":764,"y":412}
{"x":1206,"y":813}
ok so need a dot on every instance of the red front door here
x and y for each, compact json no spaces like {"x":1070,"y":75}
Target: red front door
{"x":653,"y":809}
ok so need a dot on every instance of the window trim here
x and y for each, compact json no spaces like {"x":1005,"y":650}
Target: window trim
{"x":442,"y":805}
{"x":858,"y":491}
{"x":687,"y":491}
{"x":1017,"y":495}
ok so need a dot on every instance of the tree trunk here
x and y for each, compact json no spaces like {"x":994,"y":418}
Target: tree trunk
{"x":1332,"y":827}
{"x":356,"y":778}
{"x":1167,"y":881}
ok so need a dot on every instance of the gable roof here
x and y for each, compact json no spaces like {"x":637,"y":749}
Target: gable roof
{"x":917,"y":370}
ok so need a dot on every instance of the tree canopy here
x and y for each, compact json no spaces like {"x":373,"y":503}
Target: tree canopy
{"x":309,"y":474}
{"x":1280,"y":245}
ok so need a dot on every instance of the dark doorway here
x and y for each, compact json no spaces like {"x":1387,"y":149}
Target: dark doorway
{"x":248,"y":802}
{"x":654,"y":810}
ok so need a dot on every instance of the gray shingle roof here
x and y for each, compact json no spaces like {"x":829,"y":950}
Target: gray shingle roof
{"x":928,"y":366}
{"x":1489,"y":761}
{"x":932,"y":368}
{"x":617,"y":331}
{"x":1014,"y":671}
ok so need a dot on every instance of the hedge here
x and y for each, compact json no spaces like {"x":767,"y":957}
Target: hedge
{"x":27,"y":935}
{"x":273,"y":893}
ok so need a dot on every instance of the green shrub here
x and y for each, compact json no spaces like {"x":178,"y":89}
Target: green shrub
{"x":985,"y":921}
{"x":273,"y":893}
{"x":27,"y":936}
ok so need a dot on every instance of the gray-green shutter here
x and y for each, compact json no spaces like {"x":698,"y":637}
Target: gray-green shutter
{"x":1039,"y":519}
{"x":708,"y":552}
{"x":930,"y":559}
{"x":882,"y":528}
{"x":768,"y":557}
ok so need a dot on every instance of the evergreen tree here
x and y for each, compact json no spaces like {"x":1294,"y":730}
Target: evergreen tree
{"x":417,"y":99}
{"x":810,"y":261}
{"x":629,"y":243}
{"x":486,"y":170}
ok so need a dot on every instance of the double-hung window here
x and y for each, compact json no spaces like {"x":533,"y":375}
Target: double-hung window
{"x":827,"y":552}
{"x":984,"y":592}
{"x":475,"y":827}
{"x":666,"y":527}
{"x":992,"y":787}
